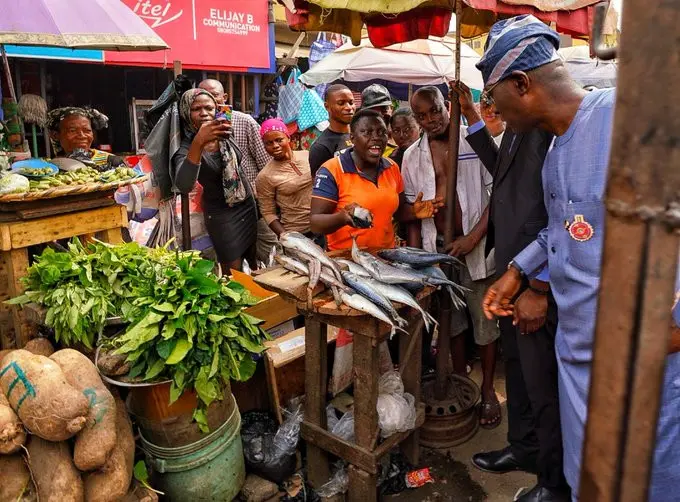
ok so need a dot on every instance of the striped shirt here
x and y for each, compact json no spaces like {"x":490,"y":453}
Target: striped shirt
{"x":247,"y":137}
{"x":473,"y":190}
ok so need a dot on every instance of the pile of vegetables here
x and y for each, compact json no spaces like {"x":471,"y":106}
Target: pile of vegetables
{"x":186,"y":324}
{"x":81,"y":177}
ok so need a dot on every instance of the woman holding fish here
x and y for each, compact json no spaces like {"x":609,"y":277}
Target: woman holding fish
{"x":357,"y":193}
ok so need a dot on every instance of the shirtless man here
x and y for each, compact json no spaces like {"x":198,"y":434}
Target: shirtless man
{"x":425,"y":171}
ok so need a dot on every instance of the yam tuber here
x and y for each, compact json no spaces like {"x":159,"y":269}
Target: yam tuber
{"x":39,"y":394}
{"x":12,"y":433}
{"x":95,"y":442}
{"x":111,"y":482}
{"x":40,"y":346}
{"x":55,"y":476}
{"x":15,"y":478}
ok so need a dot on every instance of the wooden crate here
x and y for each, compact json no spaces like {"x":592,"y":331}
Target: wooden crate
{"x":285,"y":367}
{"x":272,"y":309}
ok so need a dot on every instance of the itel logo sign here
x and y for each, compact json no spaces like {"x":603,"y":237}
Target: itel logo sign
{"x":156,"y":12}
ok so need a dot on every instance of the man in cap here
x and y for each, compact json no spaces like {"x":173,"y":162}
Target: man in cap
{"x":377,"y":97}
{"x":246,"y":133}
{"x":517,"y":214}
{"x":531,"y":88}
{"x":339,"y":102}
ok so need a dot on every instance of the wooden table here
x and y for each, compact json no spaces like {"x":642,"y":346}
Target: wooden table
{"x":24,"y":224}
{"x":365,"y":454}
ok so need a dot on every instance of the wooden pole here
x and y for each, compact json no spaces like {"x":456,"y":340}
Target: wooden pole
{"x":184,"y":198}
{"x":8,"y":74}
{"x":639,"y":261}
{"x":449,"y":234}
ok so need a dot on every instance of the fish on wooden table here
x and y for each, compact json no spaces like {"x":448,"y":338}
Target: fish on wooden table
{"x":358,"y":302}
{"x":382,"y":271}
{"x":301,"y":244}
{"x":400,"y":295}
{"x":417,"y":257}
{"x":361,"y":286}
{"x":355,"y":268}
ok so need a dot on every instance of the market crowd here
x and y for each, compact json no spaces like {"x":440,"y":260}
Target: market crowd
{"x":529,"y":218}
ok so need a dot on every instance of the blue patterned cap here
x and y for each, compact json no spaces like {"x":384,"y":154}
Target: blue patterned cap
{"x":519,"y":43}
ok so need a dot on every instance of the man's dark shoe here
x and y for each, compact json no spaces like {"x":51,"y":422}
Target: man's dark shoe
{"x":502,"y":461}
{"x":542,"y":494}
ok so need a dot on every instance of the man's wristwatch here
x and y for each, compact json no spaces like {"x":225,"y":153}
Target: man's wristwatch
{"x":514,"y":265}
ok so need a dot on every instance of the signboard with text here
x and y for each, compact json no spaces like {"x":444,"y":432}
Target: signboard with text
{"x":203,"y":34}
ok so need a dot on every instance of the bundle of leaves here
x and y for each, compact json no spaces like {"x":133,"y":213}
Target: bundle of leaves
{"x":186,"y":324}
{"x":193,"y":330}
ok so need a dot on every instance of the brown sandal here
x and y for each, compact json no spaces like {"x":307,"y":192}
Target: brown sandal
{"x":491,"y":413}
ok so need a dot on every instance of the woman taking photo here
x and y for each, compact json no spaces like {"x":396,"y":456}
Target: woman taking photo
{"x":208,"y":155}
{"x":284,"y":186}
{"x":361,"y":176}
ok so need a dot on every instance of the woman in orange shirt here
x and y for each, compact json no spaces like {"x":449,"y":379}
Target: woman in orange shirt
{"x":361,"y":176}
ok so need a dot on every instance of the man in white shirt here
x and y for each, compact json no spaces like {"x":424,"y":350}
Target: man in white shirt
{"x":425,"y":170}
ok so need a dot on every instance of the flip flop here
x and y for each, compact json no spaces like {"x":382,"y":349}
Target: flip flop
{"x":488,"y":410}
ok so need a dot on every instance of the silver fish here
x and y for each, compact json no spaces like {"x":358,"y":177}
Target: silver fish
{"x":245,"y":267}
{"x":437,"y":277}
{"x":361,"y":286}
{"x":400,"y":295}
{"x":417,"y":257}
{"x":298,"y":242}
{"x":355,"y":268}
{"x":362,"y":218}
{"x":292,"y":264}
{"x":358,"y":302}
{"x":314,"y":273}
{"x":381,"y":271}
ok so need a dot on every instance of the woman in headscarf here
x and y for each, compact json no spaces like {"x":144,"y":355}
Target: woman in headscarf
{"x":72,"y":133}
{"x":284,"y":186}
{"x":208,"y":155}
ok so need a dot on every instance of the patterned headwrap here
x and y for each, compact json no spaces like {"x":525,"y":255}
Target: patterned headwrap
{"x":54,"y":118}
{"x":235,"y":190}
{"x":520,"y":43}
{"x":270,"y":125}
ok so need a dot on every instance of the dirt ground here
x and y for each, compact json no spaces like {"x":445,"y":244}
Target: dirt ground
{"x":456,"y":479}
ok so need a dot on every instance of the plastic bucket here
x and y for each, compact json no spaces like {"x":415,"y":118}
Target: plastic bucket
{"x":211,"y":469}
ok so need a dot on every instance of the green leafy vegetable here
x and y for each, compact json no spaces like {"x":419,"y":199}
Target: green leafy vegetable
{"x":186,"y":324}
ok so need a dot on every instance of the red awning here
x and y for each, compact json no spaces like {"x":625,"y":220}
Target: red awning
{"x":576,"y":22}
{"x":225,"y":35}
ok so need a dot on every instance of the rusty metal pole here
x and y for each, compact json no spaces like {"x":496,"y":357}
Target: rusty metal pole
{"x":184,"y":198}
{"x":443,"y":353}
{"x":639,"y":260}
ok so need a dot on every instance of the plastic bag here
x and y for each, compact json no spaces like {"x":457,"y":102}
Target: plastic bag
{"x":390,"y":383}
{"x":268,"y":452}
{"x":290,"y":97}
{"x":396,"y":409}
{"x":312,"y":110}
{"x":338,"y":483}
{"x":343,"y":427}
{"x":14,"y":183}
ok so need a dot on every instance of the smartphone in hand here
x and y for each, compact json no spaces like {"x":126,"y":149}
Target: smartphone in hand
{"x":224,"y":112}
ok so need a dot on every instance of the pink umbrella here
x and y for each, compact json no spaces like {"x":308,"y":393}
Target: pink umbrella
{"x":76,"y":24}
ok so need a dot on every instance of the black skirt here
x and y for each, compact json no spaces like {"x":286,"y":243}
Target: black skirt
{"x":233,"y":230}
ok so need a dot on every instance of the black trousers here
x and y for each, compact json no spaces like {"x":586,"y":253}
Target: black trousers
{"x":534,"y":431}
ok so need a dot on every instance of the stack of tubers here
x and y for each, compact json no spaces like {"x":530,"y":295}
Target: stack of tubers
{"x":64,"y":436}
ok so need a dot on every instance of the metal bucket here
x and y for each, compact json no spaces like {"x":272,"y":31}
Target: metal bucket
{"x":172,"y":425}
{"x":211,"y":469}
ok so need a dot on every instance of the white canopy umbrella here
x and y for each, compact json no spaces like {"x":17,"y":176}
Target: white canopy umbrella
{"x":419,"y":62}
{"x":588,"y":71}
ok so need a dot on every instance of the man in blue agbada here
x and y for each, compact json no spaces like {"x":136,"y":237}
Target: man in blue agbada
{"x":531,"y":88}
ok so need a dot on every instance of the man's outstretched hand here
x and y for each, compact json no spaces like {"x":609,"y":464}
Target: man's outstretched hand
{"x":423,"y":209}
{"x":498,"y":298}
